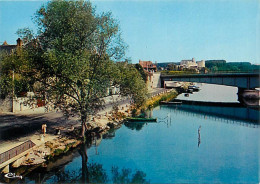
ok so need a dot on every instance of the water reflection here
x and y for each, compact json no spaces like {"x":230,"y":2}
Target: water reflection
{"x":231,"y":113}
{"x":95,"y":173}
{"x":110,"y":134}
{"x":66,"y":177}
{"x":135,"y":125}
{"x":199,"y":137}
{"x":125,"y":176}
{"x":223,"y":112}
{"x":167,"y":120}
{"x":89,"y":172}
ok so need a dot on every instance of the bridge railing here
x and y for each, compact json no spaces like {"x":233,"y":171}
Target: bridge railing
{"x":7,"y":155}
{"x":229,"y":71}
{"x":179,"y":73}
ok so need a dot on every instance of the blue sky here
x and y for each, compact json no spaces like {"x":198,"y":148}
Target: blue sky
{"x":167,"y":30}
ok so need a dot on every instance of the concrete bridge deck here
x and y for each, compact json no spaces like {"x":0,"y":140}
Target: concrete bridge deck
{"x":240,"y":80}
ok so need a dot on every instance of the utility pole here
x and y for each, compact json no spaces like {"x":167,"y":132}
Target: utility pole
{"x":13,"y":93}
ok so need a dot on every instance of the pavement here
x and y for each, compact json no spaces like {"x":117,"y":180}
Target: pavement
{"x":15,"y":126}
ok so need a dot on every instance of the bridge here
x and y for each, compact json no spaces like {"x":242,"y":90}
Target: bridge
{"x":14,"y":155}
{"x":239,"y":80}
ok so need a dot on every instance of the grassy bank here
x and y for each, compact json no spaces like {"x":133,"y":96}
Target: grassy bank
{"x":155,"y":101}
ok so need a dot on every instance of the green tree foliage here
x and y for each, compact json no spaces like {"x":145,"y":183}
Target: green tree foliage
{"x":11,"y":80}
{"x":26,"y":35}
{"x":142,"y":72}
{"x":131,"y":83}
{"x":71,"y":58}
{"x":211,"y":63}
{"x":223,"y":66}
{"x":6,"y":82}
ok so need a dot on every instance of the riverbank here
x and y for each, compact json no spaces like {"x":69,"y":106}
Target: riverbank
{"x":166,"y":96}
{"x":51,"y":146}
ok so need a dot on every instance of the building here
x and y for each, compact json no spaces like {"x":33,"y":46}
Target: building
{"x":148,"y":66}
{"x":9,"y":48}
{"x":192,"y":64}
{"x":189,"y":63}
{"x":201,"y":64}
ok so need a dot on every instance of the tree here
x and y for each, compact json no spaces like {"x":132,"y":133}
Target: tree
{"x":71,"y":58}
{"x":12,"y":83}
{"x":26,"y":34}
{"x":131,"y":83}
{"x":142,"y":72}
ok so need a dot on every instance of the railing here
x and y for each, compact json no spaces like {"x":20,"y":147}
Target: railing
{"x":208,"y":72}
{"x":230,"y":71}
{"x":16,"y":151}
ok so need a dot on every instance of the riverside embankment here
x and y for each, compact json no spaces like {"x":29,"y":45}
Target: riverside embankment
{"x":48,"y":147}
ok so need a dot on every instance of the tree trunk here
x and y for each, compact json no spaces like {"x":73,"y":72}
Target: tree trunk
{"x":83,"y":130}
{"x":84,"y":156}
{"x":83,"y":125}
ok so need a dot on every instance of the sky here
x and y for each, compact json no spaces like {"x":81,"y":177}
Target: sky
{"x":166,"y":30}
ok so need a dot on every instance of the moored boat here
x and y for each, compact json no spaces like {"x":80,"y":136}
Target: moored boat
{"x":194,"y":88}
{"x":141,"y":119}
{"x":168,"y":103}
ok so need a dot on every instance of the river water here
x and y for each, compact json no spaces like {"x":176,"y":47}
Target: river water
{"x":188,"y":144}
{"x":213,"y":93}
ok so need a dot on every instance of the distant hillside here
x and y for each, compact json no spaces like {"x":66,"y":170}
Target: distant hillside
{"x":222,"y":65}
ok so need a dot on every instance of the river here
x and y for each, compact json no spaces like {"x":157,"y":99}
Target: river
{"x":186,"y":145}
{"x":213,"y":93}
